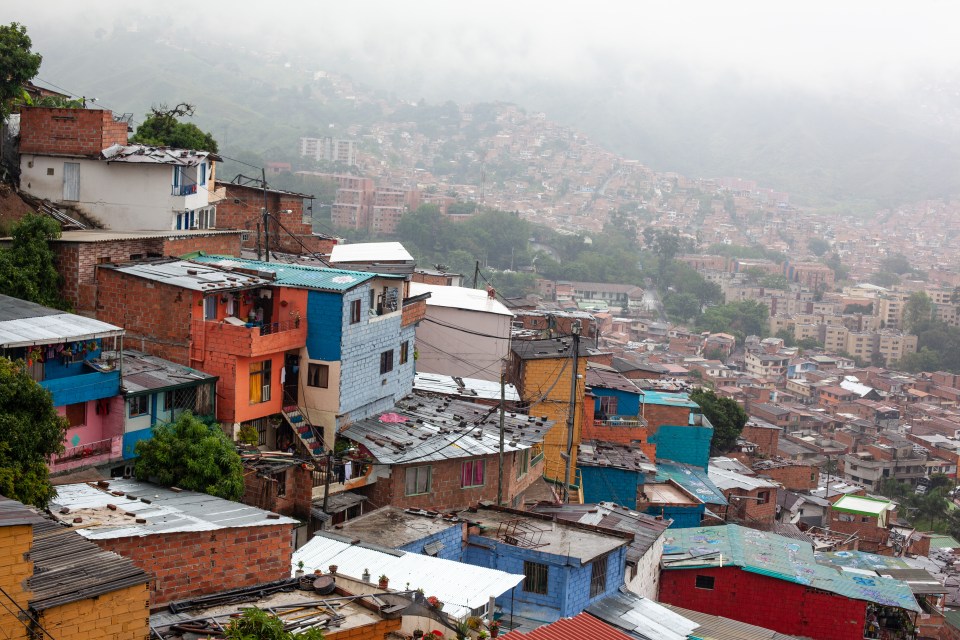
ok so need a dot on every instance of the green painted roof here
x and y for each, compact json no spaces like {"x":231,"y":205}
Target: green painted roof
{"x":777,"y":557}
{"x":940,"y":541}
{"x":295,"y":275}
{"x":862,"y":505}
{"x":861,"y":560}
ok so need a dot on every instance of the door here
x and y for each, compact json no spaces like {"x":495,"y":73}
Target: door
{"x":71,"y":181}
{"x":291,"y":379}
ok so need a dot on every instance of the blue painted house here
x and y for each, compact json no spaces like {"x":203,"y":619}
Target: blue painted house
{"x":681,"y":492}
{"x":615,"y":397}
{"x":678,"y":427}
{"x":613,"y":472}
{"x":567,"y":566}
{"x":64,"y":352}
{"x":359,"y":353}
{"x":157,"y":391}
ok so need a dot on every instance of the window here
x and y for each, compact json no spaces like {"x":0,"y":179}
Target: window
{"x":260,"y":381}
{"x":522,"y":462}
{"x":203,"y":173}
{"x":845,"y":517}
{"x":138,"y":406}
{"x":598,"y":577}
{"x":705,"y":582}
{"x":210,"y":308}
{"x":77,"y":414}
{"x":373,"y":299}
{"x":763,"y":497}
{"x":535,"y":577}
{"x":318,"y":375}
{"x":404,"y":351}
{"x":386,"y":362}
{"x":608,"y":405}
{"x":281,"y":479}
{"x":355,"y":312}
{"x":471,"y":474}
{"x":418,"y":480}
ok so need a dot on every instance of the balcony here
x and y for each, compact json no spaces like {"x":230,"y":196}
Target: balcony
{"x":183,"y":190}
{"x":89,"y":454}
{"x":621,"y":421}
{"x":249,"y":340}
{"x":83,"y":387}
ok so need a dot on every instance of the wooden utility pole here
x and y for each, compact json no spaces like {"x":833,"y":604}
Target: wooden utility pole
{"x":571,"y":411}
{"x":503,"y":397}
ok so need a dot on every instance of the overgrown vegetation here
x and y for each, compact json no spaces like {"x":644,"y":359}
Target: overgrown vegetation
{"x":162,"y":128}
{"x":726,"y":416}
{"x":18,"y":65}
{"x":257,"y":624}
{"x":30,"y":432}
{"x":27,"y":269}
{"x":191,"y":454}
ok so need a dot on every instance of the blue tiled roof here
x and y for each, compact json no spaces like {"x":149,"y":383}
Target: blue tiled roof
{"x":296,"y":275}
{"x":669,"y":399}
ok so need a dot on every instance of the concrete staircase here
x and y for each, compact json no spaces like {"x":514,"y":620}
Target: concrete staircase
{"x":304,"y":430}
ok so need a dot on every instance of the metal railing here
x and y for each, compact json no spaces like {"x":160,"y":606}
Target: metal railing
{"x":278,"y":327}
{"x":89,"y":450}
{"x":183,"y":190}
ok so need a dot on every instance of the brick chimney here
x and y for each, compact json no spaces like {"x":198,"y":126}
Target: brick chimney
{"x":74,"y":132}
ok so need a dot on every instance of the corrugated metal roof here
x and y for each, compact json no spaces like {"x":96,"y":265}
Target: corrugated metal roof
{"x":693,"y":479}
{"x":726,"y":479}
{"x":780,"y":558}
{"x":68,"y":568}
{"x":596,"y":453}
{"x":718,"y":628}
{"x":165,"y":511}
{"x":641,"y":617}
{"x":25,"y":324}
{"x":295,"y":275}
{"x":144,"y":154}
{"x":460,"y":298}
{"x":143,"y":373}
{"x":459,"y":586}
{"x":646,"y":529}
{"x":370,"y":252}
{"x":422,"y":428}
{"x":467,"y":388}
{"x":105,"y":235}
{"x":191,"y":275}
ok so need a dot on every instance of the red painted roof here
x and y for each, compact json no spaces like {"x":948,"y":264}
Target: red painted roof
{"x":578,"y":627}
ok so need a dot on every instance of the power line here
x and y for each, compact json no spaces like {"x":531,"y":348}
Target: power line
{"x":23,"y":612}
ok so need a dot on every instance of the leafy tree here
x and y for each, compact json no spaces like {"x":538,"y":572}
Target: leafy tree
{"x":26,"y":268}
{"x":818,"y":246}
{"x":163,"y":129}
{"x":18,"y":65}
{"x":865,"y":309}
{"x":257,"y":624}
{"x":681,"y":306}
{"x":918,"y":312}
{"x":192,"y":455}
{"x":741,"y":319}
{"x":885,"y":279}
{"x":840,"y":270}
{"x":896,"y":263}
{"x":923,"y":360}
{"x":30,"y":432}
{"x":726,"y":416}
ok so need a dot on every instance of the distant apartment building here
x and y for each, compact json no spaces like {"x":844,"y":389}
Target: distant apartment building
{"x":389,"y":205}
{"x":352,"y":206}
{"x":810,"y":274}
{"x":329,"y":149}
{"x":763,"y":365}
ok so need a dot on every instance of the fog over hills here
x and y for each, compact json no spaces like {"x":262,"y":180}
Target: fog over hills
{"x":856,"y":104}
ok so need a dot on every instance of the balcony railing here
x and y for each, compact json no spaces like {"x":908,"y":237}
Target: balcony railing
{"x":614,"y":421}
{"x":183,"y":190}
{"x":250,"y":339}
{"x":90,"y":453}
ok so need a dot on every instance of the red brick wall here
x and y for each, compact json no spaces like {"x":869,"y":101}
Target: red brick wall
{"x":263,"y":492}
{"x":195,"y":563}
{"x":225,"y":244}
{"x":155,"y":315}
{"x":793,"y":477}
{"x":83,"y":132}
{"x":446,"y":492}
{"x":749,"y":510}
{"x":413,"y":313}
{"x":659,"y":414}
{"x":241,"y":209}
{"x":767,"y":602}
{"x":767,"y":440}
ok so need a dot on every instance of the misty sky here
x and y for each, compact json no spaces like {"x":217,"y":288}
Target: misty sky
{"x":814,"y":45}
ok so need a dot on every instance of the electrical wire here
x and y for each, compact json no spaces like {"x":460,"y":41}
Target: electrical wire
{"x":24,"y":613}
{"x":465,"y":330}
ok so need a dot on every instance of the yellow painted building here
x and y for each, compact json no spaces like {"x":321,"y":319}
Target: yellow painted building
{"x":68,"y":586}
{"x":542,"y":370}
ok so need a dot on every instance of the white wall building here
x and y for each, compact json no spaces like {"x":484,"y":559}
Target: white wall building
{"x":465,"y":333}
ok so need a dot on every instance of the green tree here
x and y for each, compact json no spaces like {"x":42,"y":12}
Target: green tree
{"x":896,"y":263}
{"x":918,"y":312}
{"x":923,"y":360}
{"x":818,"y":246}
{"x":257,"y":624}
{"x":681,"y":306}
{"x":30,"y":432}
{"x":26,"y":268}
{"x":162,"y":128}
{"x":726,"y":416}
{"x":18,"y":65}
{"x":191,"y":455}
{"x":741,"y":319}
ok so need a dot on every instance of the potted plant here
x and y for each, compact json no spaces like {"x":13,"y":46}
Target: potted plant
{"x":299,"y":573}
{"x":384,"y":581}
{"x":332,"y":568}
{"x":494,"y":628}
{"x":418,"y":633}
{"x":434,"y":602}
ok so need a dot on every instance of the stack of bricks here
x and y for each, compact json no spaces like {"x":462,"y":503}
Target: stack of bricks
{"x":76,"y":132}
{"x":193,"y":563}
